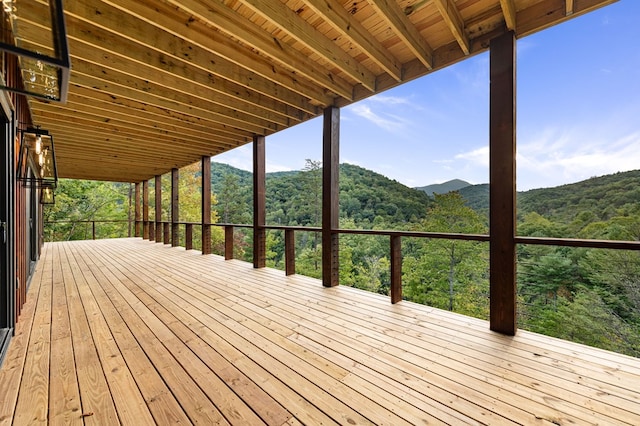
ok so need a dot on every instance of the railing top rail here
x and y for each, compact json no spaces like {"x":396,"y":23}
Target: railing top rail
{"x":549,"y":241}
{"x":576,"y":242}
{"x":89,"y":221}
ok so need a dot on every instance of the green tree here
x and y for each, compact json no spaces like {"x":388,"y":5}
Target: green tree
{"x":82,"y":200}
{"x":447,"y":263}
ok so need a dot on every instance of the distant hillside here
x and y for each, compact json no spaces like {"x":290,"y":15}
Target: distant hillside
{"x":443,"y":188}
{"x":476,"y":196}
{"x":603,"y":196}
{"x":364,"y":196}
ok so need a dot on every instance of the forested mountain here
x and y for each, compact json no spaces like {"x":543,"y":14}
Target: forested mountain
{"x":586,"y":295}
{"x":295,"y":198}
{"x":443,"y":188}
{"x":598,"y":198}
{"x":603,"y":197}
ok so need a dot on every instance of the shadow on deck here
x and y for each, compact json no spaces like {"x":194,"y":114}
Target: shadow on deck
{"x":133,"y":332}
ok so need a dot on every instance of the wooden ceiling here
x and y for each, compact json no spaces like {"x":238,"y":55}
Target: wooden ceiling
{"x":156,"y":84}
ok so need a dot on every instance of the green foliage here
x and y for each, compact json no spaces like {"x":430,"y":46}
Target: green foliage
{"x":78,"y":201}
{"x":449,"y":274}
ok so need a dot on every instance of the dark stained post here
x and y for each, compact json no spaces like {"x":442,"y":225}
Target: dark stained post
{"x":502,"y":178}
{"x":175,"y":208}
{"x":166,"y":231}
{"x":129,"y":211}
{"x":152,"y":231}
{"x":206,"y":205}
{"x":188,"y":236}
{"x":145,"y":209}
{"x":158,"y":189}
{"x":137,"y":210}
{"x":330,"y":195}
{"x":396,"y":268}
{"x":228,"y":242}
{"x":259,"y":203}
{"x":289,"y":251}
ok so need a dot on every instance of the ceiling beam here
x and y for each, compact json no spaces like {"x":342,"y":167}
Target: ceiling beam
{"x":288,"y":21}
{"x":509,"y":12}
{"x":82,"y":124}
{"x":168,"y":56}
{"x":211,"y":95}
{"x":452,"y":17}
{"x":292,"y":72}
{"x":114,"y":82}
{"x":569,"y":7}
{"x":136,"y":108}
{"x":391,"y":12}
{"x":76,"y":104}
{"x":340,"y":19}
{"x":124,"y":122}
{"x":192,"y":42}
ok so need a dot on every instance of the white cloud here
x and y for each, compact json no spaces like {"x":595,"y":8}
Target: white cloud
{"x":240,"y":158}
{"x":556,"y":157}
{"x":479,"y":156}
{"x":385,"y":120}
{"x":391,"y":100}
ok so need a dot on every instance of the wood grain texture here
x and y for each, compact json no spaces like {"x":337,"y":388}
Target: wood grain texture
{"x":164,"y":335}
{"x":158,"y":76}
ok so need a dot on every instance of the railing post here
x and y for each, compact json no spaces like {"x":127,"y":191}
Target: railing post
{"x":259,"y":204}
{"x":206,"y":205}
{"x":93,"y":229}
{"x":145,"y":209}
{"x":175,"y":208}
{"x":188,"y":236}
{"x":138,"y":232}
{"x":228,"y":242}
{"x":152,"y":231}
{"x":289,"y":251}
{"x":167,"y":232}
{"x":158,"y":209}
{"x":396,"y":268}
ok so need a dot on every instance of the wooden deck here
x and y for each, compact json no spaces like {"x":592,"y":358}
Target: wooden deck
{"x":134,"y":332}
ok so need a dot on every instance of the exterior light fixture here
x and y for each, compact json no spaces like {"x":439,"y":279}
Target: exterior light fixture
{"x":47,"y":196}
{"x":37,"y":153}
{"x":44,"y":64}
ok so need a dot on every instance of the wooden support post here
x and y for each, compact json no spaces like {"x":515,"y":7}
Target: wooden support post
{"x":145,"y":209}
{"x":129,"y":211}
{"x":188,"y":236}
{"x":396,"y":268}
{"x":289,"y":251}
{"x":152,"y":231}
{"x":175,"y":208}
{"x":206,"y":205}
{"x":158,"y":218}
{"x":166,"y":231}
{"x":259,"y":203}
{"x":228,"y":242}
{"x":330,"y":196}
{"x":138,"y":231}
{"x":502,"y":179}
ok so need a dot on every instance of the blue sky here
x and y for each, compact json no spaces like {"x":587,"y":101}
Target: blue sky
{"x":578,"y":88}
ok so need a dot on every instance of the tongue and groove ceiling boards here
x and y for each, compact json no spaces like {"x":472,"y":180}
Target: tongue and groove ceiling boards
{"x":157,"y":84}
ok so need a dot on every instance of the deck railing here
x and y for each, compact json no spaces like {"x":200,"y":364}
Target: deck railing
{"x":93,"y":225}
{"x":395,"y":243}
{"x":163,"y":231}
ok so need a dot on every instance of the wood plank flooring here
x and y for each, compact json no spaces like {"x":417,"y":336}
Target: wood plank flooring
{"x":134,"y":332}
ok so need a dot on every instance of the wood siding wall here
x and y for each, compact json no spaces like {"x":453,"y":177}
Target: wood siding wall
{"x":21,"y":120}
